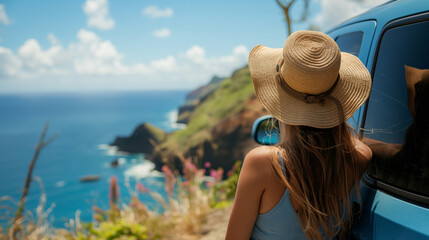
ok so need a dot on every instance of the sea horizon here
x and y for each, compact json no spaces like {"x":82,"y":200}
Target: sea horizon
{"x":91,"y":91}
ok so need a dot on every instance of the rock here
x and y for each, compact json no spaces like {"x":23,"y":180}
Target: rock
{"x":89,"y":178}
{"x":185,"y":112}
{"x":231,"y":138}
{"x":140,"y":140}
{"x":114,"y":163}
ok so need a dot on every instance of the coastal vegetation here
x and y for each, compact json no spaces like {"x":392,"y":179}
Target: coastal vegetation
{"x":192,"y":195}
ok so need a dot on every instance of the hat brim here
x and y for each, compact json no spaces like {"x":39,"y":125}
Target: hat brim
{"x":352,"y":90}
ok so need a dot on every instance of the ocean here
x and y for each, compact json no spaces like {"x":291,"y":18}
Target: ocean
{"x":86,"y":123}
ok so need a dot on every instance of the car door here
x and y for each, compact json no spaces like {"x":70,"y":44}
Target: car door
{"x":395,"y":192}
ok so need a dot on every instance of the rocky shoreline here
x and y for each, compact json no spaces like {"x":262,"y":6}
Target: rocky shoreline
{"x":223,"y":143}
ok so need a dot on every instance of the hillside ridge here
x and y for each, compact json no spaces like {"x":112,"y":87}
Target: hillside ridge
{"x":218,"y":124}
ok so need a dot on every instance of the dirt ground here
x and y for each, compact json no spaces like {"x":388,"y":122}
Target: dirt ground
{"x":213,"y":229}
{"x":217,"y":222}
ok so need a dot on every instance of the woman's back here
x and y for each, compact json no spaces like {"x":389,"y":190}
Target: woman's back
{"x":277,"y":212}
{"x":280,"y":221}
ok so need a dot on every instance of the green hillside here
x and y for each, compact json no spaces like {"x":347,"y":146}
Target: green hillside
{"x":227,"y":100}
{"x":157,"y":133}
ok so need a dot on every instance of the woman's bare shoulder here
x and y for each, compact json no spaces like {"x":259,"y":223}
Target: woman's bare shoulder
{"x":261,"y":152}
{"x":260,"y":155}
{"x":259,"y":160}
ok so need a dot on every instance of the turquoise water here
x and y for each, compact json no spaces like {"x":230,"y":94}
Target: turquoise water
{"x":86,"y":123}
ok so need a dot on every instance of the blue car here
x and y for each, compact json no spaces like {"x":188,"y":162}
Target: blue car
{"x":395,"y":190}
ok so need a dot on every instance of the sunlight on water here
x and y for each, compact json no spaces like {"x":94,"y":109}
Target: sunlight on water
{"x":172,"y":120}
{"x":60,"y":184}
{"x":142,"y":170}
{"x":109,"y":150}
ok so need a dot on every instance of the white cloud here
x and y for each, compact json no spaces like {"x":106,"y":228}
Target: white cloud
{"x":33,"y":55}
{"x":155,"y":12}
{"x":196,"y":54}
{"x":162,"y":33}
{"x":3,"y":16}
{"x":196,"y":66}
{"x":10,"y":64}
{"x":334,"y":12}
{"x":97,"y":12}
{"x":92,"y":63}
{"x":167,"y":64}
{"x":90,"y":55}
{"x":93,"y":56}
{"x":53,"y":39}
{"x":87,"y":36}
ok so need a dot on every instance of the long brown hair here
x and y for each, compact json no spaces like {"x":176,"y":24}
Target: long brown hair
{"x":322,"y":171}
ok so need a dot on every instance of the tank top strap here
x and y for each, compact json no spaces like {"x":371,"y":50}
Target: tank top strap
{"x":282,"y":164}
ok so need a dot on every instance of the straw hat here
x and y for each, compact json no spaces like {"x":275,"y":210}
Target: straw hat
{"x":309,"y":82}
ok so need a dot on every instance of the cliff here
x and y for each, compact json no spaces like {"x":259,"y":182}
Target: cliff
{"x":219,"y":128}
{"x":140,"y":139}
{"x":204,"y":91}
{"x":196,"y":97}
{"x":219,"y":120}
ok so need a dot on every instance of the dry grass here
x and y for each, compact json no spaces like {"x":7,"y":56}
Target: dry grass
{"x":31,"y":226}
{"x":190,"y":205}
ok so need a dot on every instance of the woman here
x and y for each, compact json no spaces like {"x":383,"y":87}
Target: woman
{"x":303,"y":188}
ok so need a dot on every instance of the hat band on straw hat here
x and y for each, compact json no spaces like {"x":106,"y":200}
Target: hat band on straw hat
{"x":319,"y":89}
{"x":309,"y":98}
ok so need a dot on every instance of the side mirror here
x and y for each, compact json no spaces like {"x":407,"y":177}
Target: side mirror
{"x":265,"y":130}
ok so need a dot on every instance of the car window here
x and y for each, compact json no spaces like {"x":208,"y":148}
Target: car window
{"x":350,"y":42}
{"x":400,"y":144}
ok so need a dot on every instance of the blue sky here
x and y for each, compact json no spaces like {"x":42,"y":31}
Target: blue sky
{"x":105,"y":45}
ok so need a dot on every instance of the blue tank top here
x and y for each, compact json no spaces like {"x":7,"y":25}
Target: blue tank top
{"x":281,"y":222}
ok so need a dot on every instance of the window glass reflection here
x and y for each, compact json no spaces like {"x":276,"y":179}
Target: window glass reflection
{"x":400,"y":147}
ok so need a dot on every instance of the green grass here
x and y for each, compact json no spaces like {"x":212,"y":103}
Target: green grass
{"x":158,"y":133}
